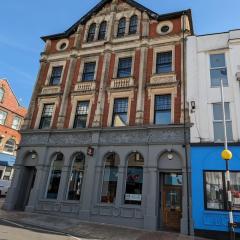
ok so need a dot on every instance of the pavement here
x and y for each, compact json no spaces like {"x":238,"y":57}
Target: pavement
{"x":23,"y":225}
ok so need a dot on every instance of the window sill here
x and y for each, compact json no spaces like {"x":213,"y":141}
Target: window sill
{"x":51,"y":90}
{"x":166,"y":78}
{"x":93,"y":43}
{"x":126,"y":38}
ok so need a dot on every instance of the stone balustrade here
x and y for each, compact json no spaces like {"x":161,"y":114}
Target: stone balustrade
{"x":85,"y":86}
{"x":122,"y":82}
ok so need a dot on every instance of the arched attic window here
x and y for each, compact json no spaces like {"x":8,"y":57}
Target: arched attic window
{"x":133,"y":25}
{"x":121,"y":27}
{"x":91,"y":32}
{"x":102,"y":30}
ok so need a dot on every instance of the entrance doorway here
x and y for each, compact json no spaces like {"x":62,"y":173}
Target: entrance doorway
{"x":27,"y":183}
{"x":171,"y":201}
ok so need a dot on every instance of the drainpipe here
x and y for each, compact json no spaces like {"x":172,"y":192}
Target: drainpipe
{"x":185,"y":122}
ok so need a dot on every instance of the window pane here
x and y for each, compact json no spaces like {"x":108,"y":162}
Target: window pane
{"x":102,"y":31}
{"x":121,"y":27}
{"x":217,"y":111}
{"x":120,"y":112}
{"x":173,"y":179}
{"x":219,"y":131}
{"x":217,"y":75}
{"x":164,"y":62}
{"x":217,"y":60}
{"x":124,"y":67}
{"x":76,"y":177}
{"x":214,"y":191}
{"x":56,"y":75}
{"x":55,"y":177}
{"x":46,"y":118}
{"x":10,"y":146}
{"x":16,"y":123}
{"x":89,"y":71}
{"x":162,"y":109}
{"x":3,"y":116}
{"x":134,"y":181}
{"x":133,"y":24}
{"x":91,"y":32}
{"x":110,"y":178}
{"x":235,"y":188}
{"x":81,"y":115}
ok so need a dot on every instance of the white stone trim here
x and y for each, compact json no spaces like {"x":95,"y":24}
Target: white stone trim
{"x":123,"y":55}
{"x":86,"y":60}
{"x":74,"y":101}
{"x":165,"y":23}
{"x":163,"y":91}
{"x":41,"y":103}
{"x":157,"y":50}
{"x":114,"y":95}
{"x":52,"y":65}
{"x":59,"y":43}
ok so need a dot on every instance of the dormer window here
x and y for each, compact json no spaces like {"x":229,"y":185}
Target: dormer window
{"x":121,"y":27}
{"x":102,"y":30}
{"x":133,"y":25}
{"x":91,"y":32}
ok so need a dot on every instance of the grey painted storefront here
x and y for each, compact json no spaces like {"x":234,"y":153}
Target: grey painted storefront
{"x":153,"y":143}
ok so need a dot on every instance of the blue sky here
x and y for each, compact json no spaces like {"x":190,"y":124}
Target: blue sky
{"x":24,"y":22}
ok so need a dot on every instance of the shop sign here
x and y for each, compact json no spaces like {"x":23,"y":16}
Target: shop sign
{"x":133,"y":197}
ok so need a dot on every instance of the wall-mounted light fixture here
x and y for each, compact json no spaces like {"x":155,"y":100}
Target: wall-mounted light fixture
{"x":193,"y":106}
{"x":170,"y":155}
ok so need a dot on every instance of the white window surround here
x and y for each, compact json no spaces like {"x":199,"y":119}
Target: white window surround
{"x":74,"y":101}
{"x":157,"y":50}
{"x":123,"y":55}
{"x":156,"y":91}
{"x":59,"y":43}
{"x":86,"y":60}
{"x":165,"y":23}
{"x":112,"y":96}
{"x":226,"y":53}
{"x":41,"y":104}
{"x":49,"y":74}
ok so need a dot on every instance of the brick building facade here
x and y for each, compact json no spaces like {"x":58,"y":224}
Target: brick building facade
{"x":105,"y":138}
{"x":11,"y":119}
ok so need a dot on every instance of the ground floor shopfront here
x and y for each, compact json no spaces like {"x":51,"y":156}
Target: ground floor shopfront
{"x":130,"y":176}
{"x":209,"y":197}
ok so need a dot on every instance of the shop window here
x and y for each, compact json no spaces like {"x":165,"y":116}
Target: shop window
{"x":164,"y":62}
{"x":81,"y":115}
{"x":121,"y":27}
{"x":10,"y":146}
{"x":56,"y":76}
{"x":218,"y":122}
{"x":120,"y":112}
{"x":1,"y":94}
{"x":76,"y":177}
{"x":89,"y":71}
{"x":124,"y":67}
{"x":46,"y":117}
{"x":16,"y":123}
{"x":215,"y":190}
{"x":133,"y":25}
{"x":3,"y":116}
{"x":55,"y":176}
{"x":134,"y":181}
{"x":110,"y":178}
{"x":218,"y":70}
{"x":162,"y":109}
{"x":102,"y":30}
{"x":91,"y":32}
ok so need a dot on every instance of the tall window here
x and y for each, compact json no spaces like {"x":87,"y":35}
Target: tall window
{"x":55,"y":176}
{"x":218,"y":122}
{"x":121,"y":27}
{"x":16,"y":123}
{"x":102,"y":30}
{"x":89,"y":71}
{"x":120,"y":112}
{"x":56,"y":76}
{"x":162,"y":109}
{"x":10,"y":146}
{"x":46,"y":117}
{"x":133,"y":193}
{"x":215,"y":190}
{"x":91,"y":32}
{"x":1,"y":94}
{"x":110,"y":178}
{"x":81,"y":115}
{"x":124,"y":67}
{"x":133,"y":24}
{"x":3,"y":116}
{"x":218,"y":70}
{"x":164,"y":62}
{"x":76,"y":177}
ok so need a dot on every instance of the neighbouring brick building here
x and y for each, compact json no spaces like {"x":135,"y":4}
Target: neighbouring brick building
{"x":11,"y":118}
{"x":105,"y":138}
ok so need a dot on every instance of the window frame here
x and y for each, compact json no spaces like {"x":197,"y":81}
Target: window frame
{"x":158,"y":65}
{"x":53,"y":77}
{"x":121,"y":30}
{"x":216,"y":68}
{"x":80,"y":115}
{"x":91,"y":35}
{"x":5,"y":118}
{"x":133,"y":24}
{"x":14,"y":146}
{"x":101,"y":36}
{"x":124,"y":68}
{"x":42,"y":117}
{"x":19,"y":123}
{"x":2,"y":93}
{"x":85,"y":73}
{"x":225,"y":197}
{"x":114,"y":113}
